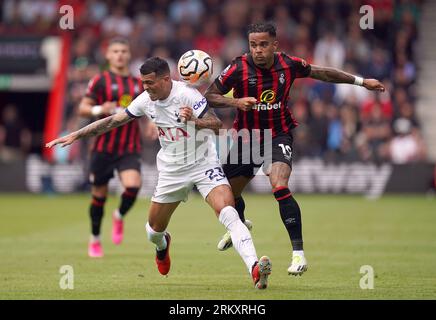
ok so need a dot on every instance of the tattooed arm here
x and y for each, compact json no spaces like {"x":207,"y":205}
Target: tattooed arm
{"x":208,"y":121}
{"x":94,"y":129}
{"x":338,"y":76}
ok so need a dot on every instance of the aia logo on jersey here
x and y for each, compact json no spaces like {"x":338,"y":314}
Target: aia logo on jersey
{"x":173,"y":134}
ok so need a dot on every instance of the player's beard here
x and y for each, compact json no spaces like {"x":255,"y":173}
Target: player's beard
{"x":260,"y":61}
{"x":264,"y":62}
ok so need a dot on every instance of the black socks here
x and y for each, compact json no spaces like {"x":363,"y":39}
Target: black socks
{"x":96,"y":212}
{"x":291,"y":216}
{"x":240,"y":207}
{"x":127,"y":200}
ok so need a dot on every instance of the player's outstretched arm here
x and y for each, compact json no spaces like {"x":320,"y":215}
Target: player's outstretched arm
{"x":94,"y":129}
{"x":338,"y":76}
{"x":89,"y":109}
{"x":216,"y":99}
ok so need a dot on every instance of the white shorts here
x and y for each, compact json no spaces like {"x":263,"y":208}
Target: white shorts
{"x":175,"y":186}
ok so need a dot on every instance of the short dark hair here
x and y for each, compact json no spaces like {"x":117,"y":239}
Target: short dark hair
{"x":155,"y":64}
{"x":260,"y":27}
{"x":120,"y":40}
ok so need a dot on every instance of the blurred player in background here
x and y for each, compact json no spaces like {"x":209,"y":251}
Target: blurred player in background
{"x":261,"y":81}
{"x":184,"y":161}
{"x":118,"y":149}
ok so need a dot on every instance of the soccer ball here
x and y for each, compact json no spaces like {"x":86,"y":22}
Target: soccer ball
{"x":195,"y":67}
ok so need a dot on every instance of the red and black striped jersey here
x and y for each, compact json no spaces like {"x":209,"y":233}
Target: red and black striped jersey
{"x":108,"y":86}
{"x":269,"y":86}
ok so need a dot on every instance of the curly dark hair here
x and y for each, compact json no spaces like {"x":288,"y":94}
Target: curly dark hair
{"x":260,"y":27}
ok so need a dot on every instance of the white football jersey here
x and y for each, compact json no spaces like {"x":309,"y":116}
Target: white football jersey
{"x":182,"y":146}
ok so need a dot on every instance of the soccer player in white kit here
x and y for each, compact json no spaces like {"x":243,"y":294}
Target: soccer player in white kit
{"x":184,"y":161}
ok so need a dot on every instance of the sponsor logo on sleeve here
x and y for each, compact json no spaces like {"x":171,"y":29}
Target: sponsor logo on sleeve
{"x":223,"y":73}
{"x":199,"y":104}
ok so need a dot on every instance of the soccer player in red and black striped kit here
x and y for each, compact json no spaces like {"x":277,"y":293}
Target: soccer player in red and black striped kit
{"x":261,"y":81}
{"x":118,"y":149}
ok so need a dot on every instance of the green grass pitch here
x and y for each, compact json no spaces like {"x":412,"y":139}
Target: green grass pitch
{"x":396,"y":235}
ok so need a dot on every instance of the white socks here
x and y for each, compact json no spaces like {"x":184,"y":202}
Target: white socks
{"x":298,"y":253}
{"x":156,"y":237}
{"x":240,"y":235}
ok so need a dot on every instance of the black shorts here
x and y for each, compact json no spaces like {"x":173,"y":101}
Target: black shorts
{"x":103,"y":165}
{"x":280,"y":150}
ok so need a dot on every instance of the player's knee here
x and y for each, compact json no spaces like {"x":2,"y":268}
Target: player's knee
{"x":280,"y":177}
{"x":99,"y":191}
{"x":220,"y":198}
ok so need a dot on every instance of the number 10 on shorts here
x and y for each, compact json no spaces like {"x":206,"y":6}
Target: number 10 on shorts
{"x":286,"y":149}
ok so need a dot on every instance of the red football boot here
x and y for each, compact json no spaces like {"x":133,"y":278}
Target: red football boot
{"x":163,"y":260}
{"x":260,"y":273}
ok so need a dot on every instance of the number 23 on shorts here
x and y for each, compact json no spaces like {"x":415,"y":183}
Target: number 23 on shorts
{"x":215,"y":173}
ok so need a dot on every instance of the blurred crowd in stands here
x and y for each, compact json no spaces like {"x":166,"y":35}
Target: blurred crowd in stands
{"x":336,"y":122}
